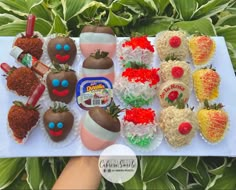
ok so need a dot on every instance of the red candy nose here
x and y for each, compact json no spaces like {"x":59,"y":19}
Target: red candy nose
{"x":185,"y":128}
{"x":5,"y":67}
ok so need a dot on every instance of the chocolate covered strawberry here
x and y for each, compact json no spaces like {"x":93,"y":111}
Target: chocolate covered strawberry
{"x":23,"y":117}
{"x":61,"y":83}
{"x":99,"y":65}
{"x":93,"y":38}
{"x":21,"y":80}
{"x":62,"y":50}
{"x":30,"y":42}
{"x":58,"y":122}
{"x":213,"y":121}
{"x":100,"y":128}
{"x":202,"y":48}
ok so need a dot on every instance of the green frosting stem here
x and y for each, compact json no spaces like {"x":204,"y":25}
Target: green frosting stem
{"x":140,"y":141}
{"x":136,"y":101}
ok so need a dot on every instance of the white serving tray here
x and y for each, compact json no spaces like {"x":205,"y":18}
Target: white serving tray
{"x":38,"y":145}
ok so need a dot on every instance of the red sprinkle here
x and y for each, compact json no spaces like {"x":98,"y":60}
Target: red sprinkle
{"x":140,"y":115}
{"x":177,"y":72}
{"x":185,"y":128}
{"x":142,"y":75}
{"x":141,"y":42}
{"x":175,"y":41}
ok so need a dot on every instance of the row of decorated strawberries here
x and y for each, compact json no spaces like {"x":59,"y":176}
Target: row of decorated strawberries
{"x":136,"y":86}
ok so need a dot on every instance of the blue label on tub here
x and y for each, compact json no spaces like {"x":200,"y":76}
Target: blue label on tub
{"x":94,"y":91}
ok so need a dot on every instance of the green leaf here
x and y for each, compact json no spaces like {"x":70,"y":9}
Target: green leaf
{"x":33,"y":168}
{"x":229,"y":33}
{"x":140,"y":7}
{"x":153,"y":25}
{"x":10,"y":168}
{"x":184,"y":8}
{"x":121,"y":20}
{"x":160,"y":183}
{"x":59,"y":26}
{"x":7,"y":18}
{"x":48,"y":176}
{"x":19,"y":183}
{"x":72,"y":8}
{"x":227,"y":20}
{"x":161,"y":5}
{"x":225,"y":181}
{"x":190,"y":164}
{"x":203,"y":26}
{"x":154,"y":167}
{"x":216,"y":165}
{"x":211,"y":8}
{"x":180,"y":175}
{"x":41,"y":12}
{"x":135,"y":182}
{"x":18,"y":7}
{"x":195,"y":186}
{"x":202,"y":176}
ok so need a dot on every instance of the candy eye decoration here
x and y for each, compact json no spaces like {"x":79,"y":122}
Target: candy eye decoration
{"x":60,"y":125}
{"x":55,"y":82}
{"x":58,"y":47}
{"x":65,"y":83}
{"x":51,"y":125}
{"x":67,"y":47}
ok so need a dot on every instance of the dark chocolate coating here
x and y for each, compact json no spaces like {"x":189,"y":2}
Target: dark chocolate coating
{"x":102,"y":118}
{"x":98,"y":29}
{"x":66,"y":118}
{"x":63,"y":75}
{"x":52,"y":52}
{"x":100,"y":63}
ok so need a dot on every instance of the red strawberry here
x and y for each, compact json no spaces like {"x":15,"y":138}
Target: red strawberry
{"x":23,"y":117}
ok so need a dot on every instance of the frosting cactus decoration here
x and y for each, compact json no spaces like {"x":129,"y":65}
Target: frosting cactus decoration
{"x":30,"y":42}
{"x":62,"y":50}
{"x":202,"y":48}
{"x":21,"y":80}
{"x":137,"y":87}
{"x":23,"y":117}
{"x":206,"y":84}
{"x":176,"y":70}
{"x":61,"y":83}
{"x":140,"y":126}
{"x":97,"y":37}
{"x":136,"y":49}
{"x":100,"y":127}
{"x":213,"y":121}
{"x":58,"y":122}
{"x":99,"y":65}
{"x":178,"y":123}
{"x":172,"y":44}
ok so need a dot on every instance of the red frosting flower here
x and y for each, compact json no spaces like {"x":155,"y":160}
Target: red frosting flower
{"x":140,"y":115}
{"x":141,"y":42}
{"x":142,"y":75}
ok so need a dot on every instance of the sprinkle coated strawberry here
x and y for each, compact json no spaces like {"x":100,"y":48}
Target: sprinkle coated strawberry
{"x":185,"y":128}
{"x":175,"y":41}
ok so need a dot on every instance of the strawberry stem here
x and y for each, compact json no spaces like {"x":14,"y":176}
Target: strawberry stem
{"x":33,"y":99}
